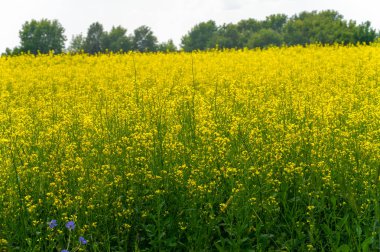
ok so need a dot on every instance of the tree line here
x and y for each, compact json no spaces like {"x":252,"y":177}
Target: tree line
{"x":325,"y":27}
{"x":46,"y":35}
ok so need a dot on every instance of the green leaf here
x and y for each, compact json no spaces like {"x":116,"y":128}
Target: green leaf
{"x":344,"y":248}
{"x":358,"y":230}
{"x":367,"y":242}
{"x":342,"y":221}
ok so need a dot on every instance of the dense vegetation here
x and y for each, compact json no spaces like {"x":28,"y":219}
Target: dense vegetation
{"x":325,"y":27}
{"x":231,"y":150}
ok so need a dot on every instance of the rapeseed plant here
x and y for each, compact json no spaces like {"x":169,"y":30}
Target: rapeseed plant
{"x":274,"y":149}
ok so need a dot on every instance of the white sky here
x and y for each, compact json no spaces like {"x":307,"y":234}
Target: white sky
{"x":169,"y":19}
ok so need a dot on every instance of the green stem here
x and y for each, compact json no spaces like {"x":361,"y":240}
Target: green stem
{"x":68,"y":244}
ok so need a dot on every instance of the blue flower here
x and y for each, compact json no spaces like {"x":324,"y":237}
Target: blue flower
{"x":82,"y":241}
{"x":70,"y":225}
{"x":64,"y":250}
{"x":52,"y":224}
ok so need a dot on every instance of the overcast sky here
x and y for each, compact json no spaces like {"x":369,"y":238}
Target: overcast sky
{"x":169,"y":19}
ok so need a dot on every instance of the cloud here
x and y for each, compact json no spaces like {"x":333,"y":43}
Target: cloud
{"x":232,"y":4}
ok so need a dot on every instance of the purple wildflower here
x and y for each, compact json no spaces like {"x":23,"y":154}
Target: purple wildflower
{"x":52,"y":224}
{"x":70,"y":225}
{"x":64,"y":250}
{"x":82,"y":241}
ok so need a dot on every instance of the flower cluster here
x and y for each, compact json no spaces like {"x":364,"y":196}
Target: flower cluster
{"x":69,"y":226}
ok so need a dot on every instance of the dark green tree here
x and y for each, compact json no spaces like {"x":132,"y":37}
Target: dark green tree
{"x":15,"y":51}
{"x":265,"y":38}
{"x":249,"y":25}
{"x":294,"y":32}
{"x":364,"y":33}
{"x":228,"y":36}
{"x":144,"y":39}
{"x":77,"y":44}
{"x":94,"y":39}
{"x":275,"y":22}
{"x":325,"y":27}
{"x":201,"y":37}
{"x":8,"y":51}
{"x":42,"y":36}
{"x":168,"y":46}
{"x":246,"y":28}
{"x":117,"y":40}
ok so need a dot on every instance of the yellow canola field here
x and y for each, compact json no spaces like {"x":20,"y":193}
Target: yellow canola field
{"x":202,"y":146}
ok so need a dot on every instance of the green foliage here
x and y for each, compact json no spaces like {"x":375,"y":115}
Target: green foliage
{"x":168,"y":46}
{"x":264,"y":38}
{"x":249,"y":25}
{"x":228,"y":36}
{"x":201,"y":37}
{"x":364,"y":33}
{"x":325,"y":27}
{"x":77,"y":44}
{"x":9,"y":52}
{"x":275,"y":22}
{"x":144,"y":39}
{"x":117,"y":40}
{"x":94,"y":39}
{"x":42,"y":36}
